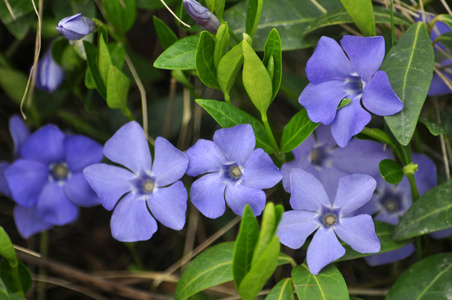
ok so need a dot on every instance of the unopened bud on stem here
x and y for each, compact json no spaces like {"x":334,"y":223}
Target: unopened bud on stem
{"x":202,"y":16}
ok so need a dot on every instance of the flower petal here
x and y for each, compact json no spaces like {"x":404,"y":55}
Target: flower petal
{"x":239,"y":195}
{"x":438,"y":87}
{"x":354,"y":191}
{"x":296,"y":226}
{"x":328,"y":62}
{"x":207,"y":195}
{"x":109,"y":182}
{"x":81,"y":152}
{"x":54,"y":207}
{"x":391,"y":218}
{"x":131,"y":220}
{"x":79,"y":192}
{"x":441,"y":234}
{"x":119,"y":148}
{"x":328,"y":177}
{"x":365,"y":53}
{"x":426,"y":173}
{"x":391,"y":256}
{"x":169,"y":205}
{"x":19,"y":132}
{"x":307,"y":192}
{"x":359,"y":233}
{"x":350,"y":120}
{"x":322,"y":99}
{"x":28,"y":221}
{"x":260,"y":172}
{"x":170,"y":163}
{"x":45,"y":145}
{"x":379,"y":97}
{"x":26,"y":179}
{"x":323,"y":249}
{"x":204,"y":157}
{"x":4,"y":188}
{"x":237,"y":143}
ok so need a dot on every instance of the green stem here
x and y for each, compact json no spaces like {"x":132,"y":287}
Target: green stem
{"x":234,"y":36}
{"x":278,"y":154}
{"x":227,"y":98}
{"x":418,"y":247}
{"x":392,"y":23}
{"x":43,"y":248}
{"x":414,"y":191}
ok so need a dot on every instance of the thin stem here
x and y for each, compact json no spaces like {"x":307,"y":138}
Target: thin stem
{"x":443,"y":2}
{"x":392,"y":23}
{"x":43,"y":248}
{"x":174,"y":15}
{"x":227,"y":98}
{"x":169,"y":110}
{"x":234,"y":36}
{"x":443,"y":143}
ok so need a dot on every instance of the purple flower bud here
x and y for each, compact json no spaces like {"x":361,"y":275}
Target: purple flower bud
{"x":76,"y":27}
{"x":49,"y":74}
{"x":202,"y":16}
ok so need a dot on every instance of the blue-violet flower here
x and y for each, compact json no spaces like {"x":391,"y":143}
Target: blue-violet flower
{"x":202,"y":16}
{"x":49,"y":74}
{"x":313,"y":210}
{"x":76,"y":27}
{"x":143,"y":187}
{"x":335,"y":75}
{"x":234,"y":172}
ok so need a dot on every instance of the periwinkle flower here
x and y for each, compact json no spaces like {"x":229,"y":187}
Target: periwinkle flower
{"x":143,"y":191}
{"x":202,"y":16}
{"x":49,"y":74}
{"x":76,"y":27}
{"x":313,"y":211}
{"x":47,"y":181}
{"x":235,"y":173}
{"x":335,"y":75}
{"x":320,"y":156}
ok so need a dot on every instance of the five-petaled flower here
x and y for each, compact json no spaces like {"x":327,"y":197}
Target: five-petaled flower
{"x":144,"y":186}
{"x":313,"y":210}
{"x":335,"y":75}
{"x":76,"y":27}
{"x":236,"y":173}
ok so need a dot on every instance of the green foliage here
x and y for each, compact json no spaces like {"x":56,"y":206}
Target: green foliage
{"x":205,"y":65}
{"x":120,"y":13}
{"x":221,"y":41}
{"x":428,"y":279}
{"x":283,"y":290}
{"x":117,"y":89}
{"x":432,"y":126}
{"x":24,"y":17}
{"x":91,"y":61}
{"x":391,"y":171}
{"x":253,"y":15}
{"x":362,"y":14}
{"x":296,"y":131}
{"x":229,"y":67}
{"x":431,"y":212}
{"x":166,"y":36}
{"x":272,"y":51}
{"x":179,"y":56}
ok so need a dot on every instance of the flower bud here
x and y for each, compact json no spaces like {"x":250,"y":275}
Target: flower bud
{"x":76,"y":27}
{"x":202,"y":16}
{"x":49,"y":74}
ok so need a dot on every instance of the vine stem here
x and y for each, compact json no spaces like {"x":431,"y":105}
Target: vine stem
{"x":43,"y":248}
{"x":278,"y":153}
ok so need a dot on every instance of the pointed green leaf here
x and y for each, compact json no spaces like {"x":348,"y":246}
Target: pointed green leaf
{"x":428,"y":279}
{"x":166,"y":36}
{"x":205,"y":65}
{"x":273,"y":49}
{"x":296,"y":131}
{"x":283,"y":290}
{"x":228,"y":68}
{"x":432,"y":126}
{"x":228,"y":116}
{"x":328,"y":284}
{"x":256,"y":80}
{"x":409,"y":65}
{"x":210,"y":4}
{"x":3,"y":291}
{"x":362,"y":13}
{"x":391,"y":171}
{"x":120,"y":13}
{"x":91,"y":61}
{"x":431,"y":212}
{"x":17,"y":279}
{"x":117,"y":88}
{"x":221,"y":41}
{"x":179,"y":56}
{"x":24,"y":17}
{"x":253,"y":15}
{"x":219,"y":8}
{"x":6,"y":248}
{"x":270,"y":221}
{"x":104,"y":59}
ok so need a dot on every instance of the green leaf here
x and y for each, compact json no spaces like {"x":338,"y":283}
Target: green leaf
{"x":431,"y":212}
{"x":179,"y":56}
{"x":445,"y":39}
{"x":3,"y":291}
{"x":228,"y":116}
{"x":296,"y":131}
{"x":273,"y":49}
{"x":362,"y":13}
{"x":17,"y":279}
{"x":256,"y":80}
{"x":24,"y":17}
{"x":391,"y":171}
{"x":409,"y":65}
{"x":104,"y":59}
{"x":221,"y":41}
{"x":341,"y":16}
{"x":229,"y":67}
{"x":166,"y":36}
{"x":244,"y":246}
{"x":219,"y":8}
{"x":283,"y":290}
{"x":344,"y":102}
{"x":117,"y":54}
{"x":7,"y":248}
{"x":13,"y":83}
{"x":384,"y":233}
{"x":432,"y":126}
{"x":91,"y":61}
{"x":117,"y":88}
{"x":328,"y":284}
{"x":270,"y":221}
{"x":253,"y":15}
{"x":428,"y":279}
{"x":205,"y":65}
{"x":443,"y":18}
{"x":210,"y":4}
{"x":120,"y":13}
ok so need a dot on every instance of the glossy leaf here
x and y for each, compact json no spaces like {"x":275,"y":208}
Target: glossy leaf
{"x":283,"y":290}
{"x":431,"y":212}
{"x":273,"y":49}
{"x":228,"y":116}
{"x":296,"y":131}
{"x":3,"y":291}
{"x":434,"y":128}
{"x":228,"y":68}
{"x":428,"y":279}
{"x":205,"y":65}
{"x":104,"y":59}
{"x":219,"y":8}
{"x":256,"y":80}
{"x":117,"y":88}
{"x":244,"y":246}
{"x":166,"y":36}
{"x":179,"y":56}
{"x":24,"y":17}
{"x":270,"y":221}
{"x":221,"y":41}
{"x":328,"y":284}
{"x":362,"y":14}
{"x":13,"y":83}
{"x":210,"y":4}
{"x":6,"y":248}
{"x":253,"y":15}
{"x":391,"y":171}
{"x":341,"y":16}
{"x":409,"y":65}
{"x":17,"y":279}
{"x":91,"y":61}
{"x":120,"y":13}
{"x":445,"y":39}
